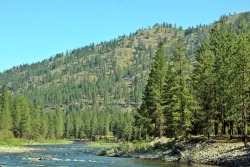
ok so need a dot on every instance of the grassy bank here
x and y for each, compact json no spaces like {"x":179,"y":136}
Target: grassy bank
{"x":124,"y":149}
{"x":50,"y":141}
{"x":102,"y":145}
{"x":12,"y":142}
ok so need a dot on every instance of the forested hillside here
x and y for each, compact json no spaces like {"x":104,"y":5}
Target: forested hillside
{"x":107,"y":78}
{"x":103,"y":75}
{"x":96,"y":76}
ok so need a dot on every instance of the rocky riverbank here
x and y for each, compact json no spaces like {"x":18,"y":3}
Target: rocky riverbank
{"x":4,"y":149}
{"x":224,"y":154}
{"x":193,"y":151}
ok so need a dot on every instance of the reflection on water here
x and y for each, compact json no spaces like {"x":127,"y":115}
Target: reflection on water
{"x":74,"y":155}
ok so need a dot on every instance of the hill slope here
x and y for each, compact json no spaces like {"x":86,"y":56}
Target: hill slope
{"x":109,"y":74}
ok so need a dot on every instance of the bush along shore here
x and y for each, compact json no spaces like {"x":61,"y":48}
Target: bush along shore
{"x":196,"y":150}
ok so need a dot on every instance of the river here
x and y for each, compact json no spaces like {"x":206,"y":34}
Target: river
{"x":75,"y":155}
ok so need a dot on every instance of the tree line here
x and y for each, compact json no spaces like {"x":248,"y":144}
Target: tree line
{"x":21,"y":118}
{"x":211,"y":97}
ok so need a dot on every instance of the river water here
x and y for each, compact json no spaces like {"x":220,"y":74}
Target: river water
{"x":75,"y":155}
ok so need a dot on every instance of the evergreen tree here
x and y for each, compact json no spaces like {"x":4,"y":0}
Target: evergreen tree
{"x":51,"y":126}
{"x":86,"y":123}
{"x":68,"y":126}
{"x":204,"y":86}
{"x":180,"y":99}
{"x":93,"y":126}
{"x":35,"y":121}
{"x":169,"y":90}
{"x":128,"y":126}
{"x":25,"y":122}
{"x":76,"y":124}
{"x":243,"y":78}
{"x":43,"y":128}
{"x":151,"y":110}
{"x":6,"y":119}
{"x":222,"y":47}
{"x":16,"y":116}
{"x":59,"y":123}
{"x":107,"y":123}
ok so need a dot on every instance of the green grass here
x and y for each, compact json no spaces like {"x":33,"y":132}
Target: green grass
{"x":12,"y":142}
{"x":133,"y":147}
{"x":102,"y":145}
{"x":125,"y":148}
{"x":21,"y":142}
{"x":49,"y":141}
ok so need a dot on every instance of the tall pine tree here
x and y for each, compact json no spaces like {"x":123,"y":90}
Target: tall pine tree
{"x":151,"y":111}
{"x":243,"y":78}
{"x":204,"y":84}
{"x":6,"y":119}
{"x":178,"y":100}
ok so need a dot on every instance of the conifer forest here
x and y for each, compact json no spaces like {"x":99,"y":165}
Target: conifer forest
{"x":159,"y":81}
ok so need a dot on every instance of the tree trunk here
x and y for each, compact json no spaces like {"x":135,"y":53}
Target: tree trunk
{"x":216,"y":128}
{"x":160,"y":131}
{"x":244,"y":123}
{"x":223,"y":127}
{"x":231,"y":129}
{"x":244,"y":134}
{"x":244,"y":138}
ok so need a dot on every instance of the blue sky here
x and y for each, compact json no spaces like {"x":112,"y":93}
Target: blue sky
{"x":32,"y":30}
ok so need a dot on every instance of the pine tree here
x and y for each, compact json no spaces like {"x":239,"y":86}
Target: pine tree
{"x":58,"y":123}
{"x":107,"y":123}
{"x":6,"y":119}
{"x":43,"y":128}
{"x":51,"y":126}
{"x":204,"y":86}
{"x":16,"y":116}
{"x":151,"y":111}
{"x":222,"y":45}
{"x":143,"y":121}
{"x":243,"y":78}
{"x":87,"y":119}
{"x":178,"y":105}
{"x":25,"y":122}
{"x":93,"y":126}
{"x":81,"y":133}
{"x":76,"y":124}
{"x":127,"y":126}
{"x":169,"y":90}
{"x":68,"y":126}
{"x":35,"y":121}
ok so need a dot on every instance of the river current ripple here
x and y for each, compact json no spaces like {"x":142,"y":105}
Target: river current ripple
{"x":73,"y":155}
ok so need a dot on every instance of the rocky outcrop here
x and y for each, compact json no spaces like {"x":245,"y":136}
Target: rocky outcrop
{"x":224,"y":154}
{"x":201,"y":152}
{"x":41,"y":159}
{"x":207,"y":152}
